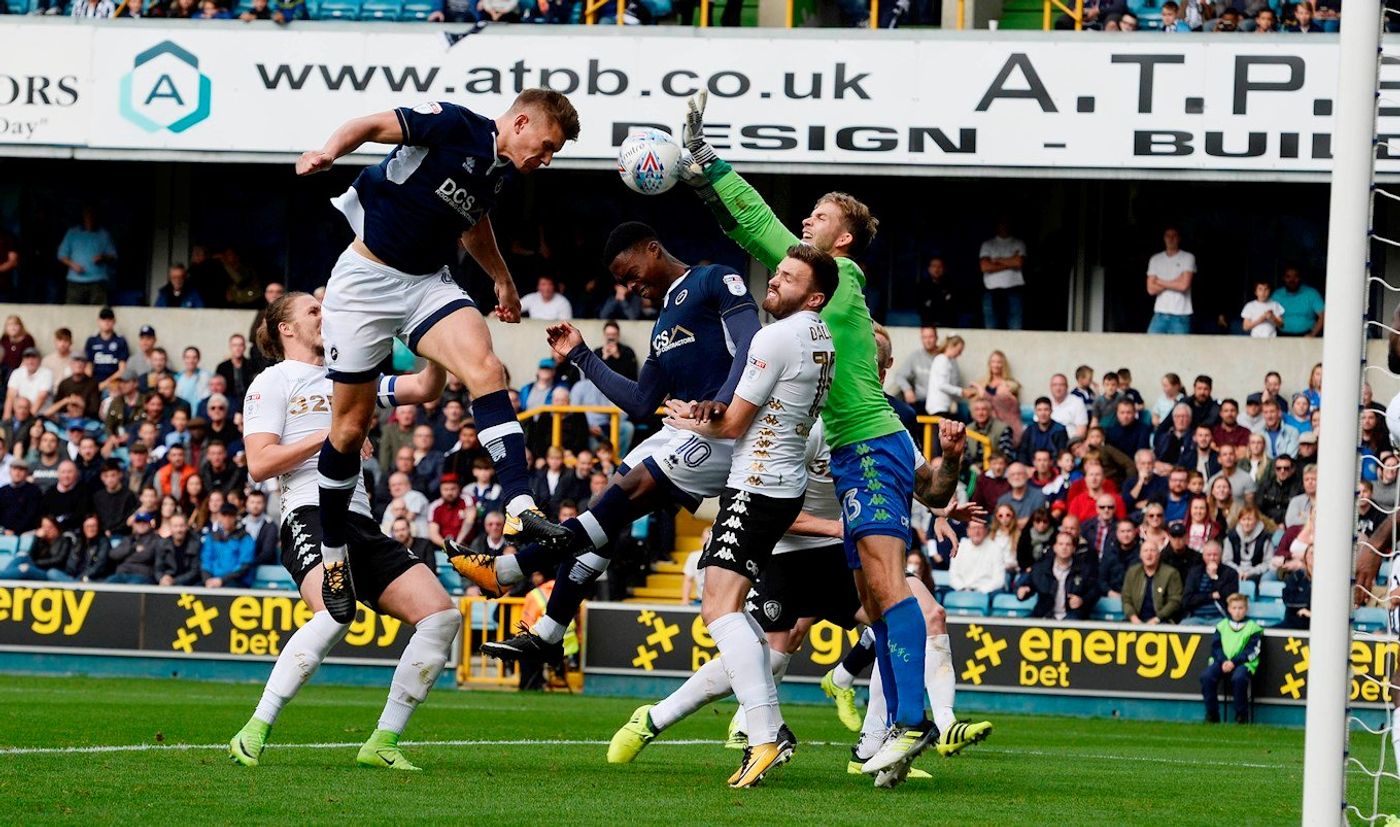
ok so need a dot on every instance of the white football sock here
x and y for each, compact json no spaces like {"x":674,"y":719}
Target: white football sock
{"x":301,"y":656}
{"x":549,"y":629}
{"x":939,"y":680}
{"x":872,"y":731}
{"x":745,"y":657}
{"x":422,"y":661}
{"x":779,"y":661}
{"x":709,"y":683}
{"x":843,"y":677}
{"x":332,"y":554}
{"x":508,"y":571}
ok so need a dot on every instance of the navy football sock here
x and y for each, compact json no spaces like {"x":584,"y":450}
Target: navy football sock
{"x":339,"y":472}
{"x":500,"y":432}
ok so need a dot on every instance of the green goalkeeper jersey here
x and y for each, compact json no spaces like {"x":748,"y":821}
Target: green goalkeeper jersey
{"x":856,"y":409}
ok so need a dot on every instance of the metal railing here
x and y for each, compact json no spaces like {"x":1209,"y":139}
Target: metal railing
{"x":930,"y":424}
{"x":1076,"y":14}
{"x":557,"y":413}
{"x":487,"y":620}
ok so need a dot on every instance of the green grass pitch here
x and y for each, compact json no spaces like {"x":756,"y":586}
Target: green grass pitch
{"x":539,"y":759}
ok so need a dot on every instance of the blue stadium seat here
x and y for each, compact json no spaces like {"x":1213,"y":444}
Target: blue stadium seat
{"x":417,"y":10}
{"x":381,"y":10}
{"x":1249,"y":589}
{"x":1008,"y":605}
{"x":338,"y":10}
{"x":966,"y":603}
{"x":484,"y":617}
{"x":1384,"y":572}
{"x":942,"y":579}
{"x":1108,"y":608}
{"x":272,"y":577}
{"x":9,"y":545}
{"x":5,"y":558}
{"x":1271,"y":590}
{"x":1370,"y":619}
{"x":1269,"y":613}
{"x":451,"y":580}
{"x":26,"y":543}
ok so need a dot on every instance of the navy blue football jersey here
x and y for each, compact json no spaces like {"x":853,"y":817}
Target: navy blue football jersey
{"x":411,"y":208}
{"x":689,"y":342}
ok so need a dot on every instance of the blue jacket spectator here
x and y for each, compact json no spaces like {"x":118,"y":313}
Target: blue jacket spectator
{"x":1062,"y":579}
{"x":1303,"y":307}
{"x":228,"y":552}
{"x":1208,"y":586}
{"x":177,"y":292}
{"x":19,"y":501}
{"x":1044,"y":434}
{"x":87,"y":251}
{"x":106,"y":351}
{"x":1128,"y":433}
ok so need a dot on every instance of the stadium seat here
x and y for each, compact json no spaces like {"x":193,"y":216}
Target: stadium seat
{"x":338,"y":10}
{"x":9,"y":545}
{"x":5,"y":558}
{"x":417,"y":10}
{"x":26,"y":542}
{"x":1108,"y":608}
{"x":965,"y":603}
{"x":942,"y":579}
{"x":451,"y":580}
{"x":272,"y":577}
{"x":1268,"y":613}
{"x":381,"y":10}
{"x":1249,"y":589}
{"x":1271,"y":590}
{"x":484,"y":617}
{"x":1370,"y":619}
{"x":1384,"y":571}
{"x":1008,"y":605}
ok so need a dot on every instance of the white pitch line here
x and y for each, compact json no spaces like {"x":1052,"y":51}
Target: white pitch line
{"x":540,"y":742}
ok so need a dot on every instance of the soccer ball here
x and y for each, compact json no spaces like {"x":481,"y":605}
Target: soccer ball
{"x":649,"y":161}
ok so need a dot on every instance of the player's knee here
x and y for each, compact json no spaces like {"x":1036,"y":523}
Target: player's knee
{"x":441,"y":627}
{"x":935,"y":618}
{"x":485,"y":371}
{"x":348,"y":434}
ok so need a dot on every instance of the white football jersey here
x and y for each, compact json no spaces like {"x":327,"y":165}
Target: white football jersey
{"x":292,"y":400}
{"x":788,"y":375}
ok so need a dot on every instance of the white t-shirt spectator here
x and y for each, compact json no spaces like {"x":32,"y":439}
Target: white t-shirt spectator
{"x":980,"y":568}
{"x":556,"y":309}
{"x":417,"y":506}
{"x":1255,"y":309}
{"x":1070,"y":413}
{"x":1167,"y":268}
{"x":30,"y":385}
{"x":997,"y":247}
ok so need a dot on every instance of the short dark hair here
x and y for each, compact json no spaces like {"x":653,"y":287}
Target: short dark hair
{"x":1126,"y":401}
{"x":63,"y":334}
{"x":1170,"y":4}
{"x":256,"y":492}
{"x":1205,"y":380}
{"x":553,"y":104}
{"x":825,"y":275}
{"x":611,"y":323}
{"x":624,"y":237}
{"x":1044,"y":399}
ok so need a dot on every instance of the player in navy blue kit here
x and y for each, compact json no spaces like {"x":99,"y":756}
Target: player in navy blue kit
{"x":408,"y":212}
{"x":699,"y":347}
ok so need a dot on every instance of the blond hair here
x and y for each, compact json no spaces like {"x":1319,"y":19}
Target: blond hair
{"x":859,"y":222}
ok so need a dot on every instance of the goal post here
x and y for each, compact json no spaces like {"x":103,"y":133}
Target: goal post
{"x":1343,"y":349}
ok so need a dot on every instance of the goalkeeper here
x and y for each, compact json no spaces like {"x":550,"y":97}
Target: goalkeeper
{"x":871,"y":454}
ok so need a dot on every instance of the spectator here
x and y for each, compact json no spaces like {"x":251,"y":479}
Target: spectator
{"x":1171,"y":21}
{"x":16,"y":340}
{"x":1084,"y":386}
{"x":1297,"y":594}
{"x":546,"y":303}
{"x":171,"y":479}
{"x":140,"y":361}
{"x":913,"y":379}
{"x":93,"y":9}
{"x":59,"y":362}
{"x":1198,"y":456}
{"x":1097,"y":531}
{"x":1266,"y":21}
{"x":396,"y":433}
{"x":616,"y":355}
{"x":179,"y":434}
{"x":1169,"y":275}
{"x":192,"y":383}
{"x":259,"y":525}
{"x":46,"y":559}
{"x":622,"y":304}
{"x":406,"y":503}
{"x":1253,"y":417}
{"x":1173,"y":394}
{"x":244,"y":285}
{"x":1275,"y":496}
{"x":1303,"y":21}
{"x":1303,"y":308}
{"x":19,"y":501}
{"x":1281,"y":438}
{"x":209,"y":10}
{"x":218,"y":472}
{"x":29,"y":381}
{"x":1002,"y":260}
{"x":1204,"y":409}
{"x":178,"y":556}
{"x":1067,"y":409}
{"x":177,"y":291}
{"x":938,"y":301}
{"x":1004,"y":393}
{"x":87,"y":551}
{"x":1228,"y":430}
{"x":1103,"y":408}
{"x":228,"y":552}
{"x":1003,"y":526}
{"x":1128,"y":433}
{"x":44,"y":458}
{"x":1207,"y":587}
{"x":1125,"y":545}
{"x":198,"y":504}
{"x":1234,"y":653}
{"x":1037,"y":539}
{"x":236,"y":370}
{"x":427,"y":462}
{"x":135,"y":555}
{"x":1314,"y":389}
{"x":447,"y":431}
{"x":981,"y":562}
{"x":16,"y":428}
{"x":147,"y":501}
{"x":997,"y":434}
{"x":1064,"y":583}
{"x":1299,"y":414}
{"x":1144,"y":485}
{"x":67,"y":501}
{"x":1117,"y":465}
{"x":1263,"y":316}
{"x":403,"y":464}
{"x":1173,"y":441}
{"x":113,"y":502}
{"x":1300,"y":507}
{"x":150,"y":381}
{"x":1067,"y":475}
{"x":1273,"y":388}
{"x":419,"y":547}
{"x":121,"y":411}
{"x":492,"y":539}
{"x":554,"y":483}
{"x":945,"y":387}
{"x":88,"y":253}
{"x":1177,"y":553}
{"x":484,"y":493}
{"x":538,"y":393}
{"x":1248,"y":549}
{"x":1242,"y":485}
{"x":449,"y":518}
{"x":1152,"y":592}
{"x":106,"y":350}
{"x":1084,"y":500}
{"x":991,"y":483}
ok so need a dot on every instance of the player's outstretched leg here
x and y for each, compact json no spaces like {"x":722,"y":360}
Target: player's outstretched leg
{"x":839,"y":684}
{"x":301,"y":656}
{"x":420,"y":665}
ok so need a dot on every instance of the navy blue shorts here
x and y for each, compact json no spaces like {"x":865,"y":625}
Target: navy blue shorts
{"x":875,"y":483}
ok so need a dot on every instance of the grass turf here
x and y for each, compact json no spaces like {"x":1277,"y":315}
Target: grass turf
{"x":540,"y":759}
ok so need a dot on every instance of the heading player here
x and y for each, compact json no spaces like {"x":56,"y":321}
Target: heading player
{"x":408,"y":213}
{"x":699,"y":347}
{"x":871,"y":455}
{"x":286,"y":414}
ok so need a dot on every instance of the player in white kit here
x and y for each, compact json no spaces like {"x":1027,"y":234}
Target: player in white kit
{"x":784,"y":385}
{"x":286,"y":414}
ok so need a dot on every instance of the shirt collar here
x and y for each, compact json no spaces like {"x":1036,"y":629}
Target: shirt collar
{"x":500,"y":161}
{"x":666,"y":300}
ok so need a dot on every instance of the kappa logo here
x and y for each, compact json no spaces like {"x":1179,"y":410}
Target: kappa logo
{"x":724,"y":554}
{"x":668,"y":340}
{"x":741,"y":496}
{"x":771,"y":420}
{"x":728,"y":538}
{"x":165,"y":90}
{"x":733,"y":522}
{"x":761,"y":454}
{"x":771,"y":609}
{"x":775,"y":405}
{"x":757,"y":466}
{"x":739,"y":508}
{"x":763,"y":442}
{"x":756,"y":482}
